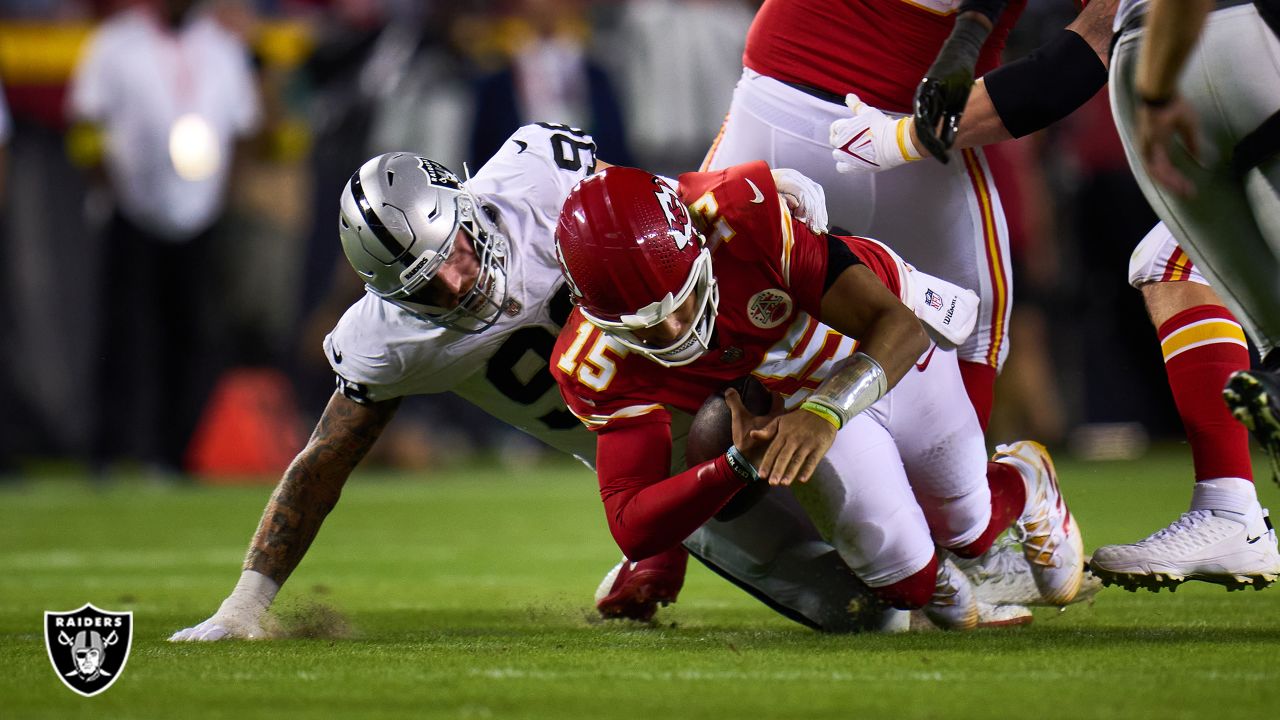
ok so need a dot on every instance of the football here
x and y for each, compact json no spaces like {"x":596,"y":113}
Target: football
{"x":711,"y":434}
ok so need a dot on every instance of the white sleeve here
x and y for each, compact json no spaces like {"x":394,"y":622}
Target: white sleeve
{"x":539,"y":164}
{"x":90,"y":92}
{"x":247,"y":107}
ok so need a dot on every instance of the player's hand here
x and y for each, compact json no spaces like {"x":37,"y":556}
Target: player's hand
{"x":942,"y":94}
{"x":750,"y":434}
{"x":805,"y":198}
{"x":798,"y":442}
{"x":939,"y":103}
{"x":235,"y":619}
{"x":1157,"y":129}
{"x":870,"y":141}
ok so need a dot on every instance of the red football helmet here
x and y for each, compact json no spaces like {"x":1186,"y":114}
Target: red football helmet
{"x":631,"y":255}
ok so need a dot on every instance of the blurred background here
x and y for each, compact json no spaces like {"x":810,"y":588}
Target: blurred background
{"x":103,"y":283}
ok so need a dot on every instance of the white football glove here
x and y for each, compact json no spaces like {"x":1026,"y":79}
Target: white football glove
{"x":871,"y":141}
{"x":241,"y":615}
{"x":805,"y":198}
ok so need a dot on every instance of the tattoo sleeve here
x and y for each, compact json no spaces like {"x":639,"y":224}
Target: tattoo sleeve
{"x":313,"y":482}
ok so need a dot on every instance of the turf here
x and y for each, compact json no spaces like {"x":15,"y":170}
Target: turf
{"x":465,"y":594}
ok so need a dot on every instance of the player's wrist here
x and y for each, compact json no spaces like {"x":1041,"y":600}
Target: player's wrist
{"x":253,"y":589}
{"x":741,"y":466}
{"x":907,"y":140}
{"x":824,"y":412}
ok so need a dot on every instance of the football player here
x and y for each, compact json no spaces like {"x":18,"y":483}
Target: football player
{"x":462,"y":289}
{"x":1202,"y":342}
{"x":679,"y":292}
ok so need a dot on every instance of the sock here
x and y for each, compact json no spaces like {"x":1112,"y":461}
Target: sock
{"x":1229,"y":494}
{"x":1008,"y":500}
{"x":911,"y":592}
{"x":1203,"y":345}
{"x":980,"y":383}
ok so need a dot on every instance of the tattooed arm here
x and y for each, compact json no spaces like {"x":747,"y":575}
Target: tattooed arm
{"x":308,"y":491}
{"x":313,"y":482}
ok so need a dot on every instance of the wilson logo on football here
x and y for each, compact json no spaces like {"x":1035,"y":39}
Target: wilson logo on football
{"x":769,"y":308}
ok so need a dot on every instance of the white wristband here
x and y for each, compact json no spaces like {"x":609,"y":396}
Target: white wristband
{"x":256,"y":588}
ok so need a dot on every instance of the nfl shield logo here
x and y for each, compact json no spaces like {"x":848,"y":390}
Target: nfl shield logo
{"x":88,"y":647}
{"x":934,"y":299}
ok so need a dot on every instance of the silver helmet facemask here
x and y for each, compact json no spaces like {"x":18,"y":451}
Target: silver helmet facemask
{"x":400,"y":216}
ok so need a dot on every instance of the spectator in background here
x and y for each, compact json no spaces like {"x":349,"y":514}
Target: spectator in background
{"x":550,"y":77}
{"x":171,"y":91}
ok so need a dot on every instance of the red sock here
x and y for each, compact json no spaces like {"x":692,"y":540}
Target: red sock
{"x":980,"y":383}
{"x":1202,"y":346}
{"x":1008,"y":498}
{"x":911,"y":592}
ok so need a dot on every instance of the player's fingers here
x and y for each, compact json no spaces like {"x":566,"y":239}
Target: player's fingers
{"x":852,"y":102}
{"x":810,"y":467}
{"x":780,"y":469}
{"x":211,"y":633}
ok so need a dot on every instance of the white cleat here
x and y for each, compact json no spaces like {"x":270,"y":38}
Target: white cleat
{"x":1215,"y":546}
{"x":1003,"y":616}
{"x":1002,"y":576}
{"x":1049,"y":535}
{"x":953,"y":605}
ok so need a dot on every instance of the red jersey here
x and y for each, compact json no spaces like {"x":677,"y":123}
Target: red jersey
{"x":879,"y":49}
{"x":771,"y":273}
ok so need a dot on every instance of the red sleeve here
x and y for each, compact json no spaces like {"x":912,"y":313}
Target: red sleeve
{"x":646,"y":514}
{"x":808,"y":268}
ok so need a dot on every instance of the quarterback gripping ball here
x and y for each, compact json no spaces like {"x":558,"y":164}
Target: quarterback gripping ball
{"x":711,"y":434}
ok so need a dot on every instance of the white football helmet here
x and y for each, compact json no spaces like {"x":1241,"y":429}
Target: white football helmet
{"x":399,"y":217}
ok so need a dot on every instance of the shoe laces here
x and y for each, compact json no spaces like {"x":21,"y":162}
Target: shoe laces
{"x":1002,"y":563}
{"x":1187,"y":522}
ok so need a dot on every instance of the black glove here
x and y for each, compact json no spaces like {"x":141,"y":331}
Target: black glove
{"x":942,"y":94}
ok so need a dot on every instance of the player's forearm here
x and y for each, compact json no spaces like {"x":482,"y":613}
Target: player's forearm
{"x":647,"y":511}
{"x":312,"y":485}
{"x":896,"y":340}
{"x":1171,"y":32}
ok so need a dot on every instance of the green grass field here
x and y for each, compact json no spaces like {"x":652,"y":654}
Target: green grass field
{"x":466,"y":594}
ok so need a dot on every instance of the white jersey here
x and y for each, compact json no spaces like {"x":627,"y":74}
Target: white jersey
{"x":381,"y":351}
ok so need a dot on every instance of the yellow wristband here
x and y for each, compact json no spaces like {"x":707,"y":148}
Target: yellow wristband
{"x":904,"y":140}
{"x":823,"y":412}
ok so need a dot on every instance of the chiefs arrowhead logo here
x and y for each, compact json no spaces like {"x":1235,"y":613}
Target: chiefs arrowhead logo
{"x":676,"y":213}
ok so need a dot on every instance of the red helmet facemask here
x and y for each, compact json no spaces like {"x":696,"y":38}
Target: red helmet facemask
{"x":631,"y":255}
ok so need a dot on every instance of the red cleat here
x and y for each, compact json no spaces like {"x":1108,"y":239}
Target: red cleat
{"x":634,"y":590}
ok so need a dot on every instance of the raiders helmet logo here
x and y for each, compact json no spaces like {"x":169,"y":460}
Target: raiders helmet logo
{"x":769,"y":308}
{"x":88,"y":647}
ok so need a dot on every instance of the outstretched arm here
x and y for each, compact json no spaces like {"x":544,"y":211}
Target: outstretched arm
{"x":308,"y":491}
{"x":1016,"y":99}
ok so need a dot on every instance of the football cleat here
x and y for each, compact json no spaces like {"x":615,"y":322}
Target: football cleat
{"x":953,"y":606}
{"x":1254,"y":399}
{"x":1002,"y":576}
{"x":634,"y":590}
{"x":1049,"y":535}
{"x":1002,"y":616}
{"x":1215,"y":546}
